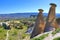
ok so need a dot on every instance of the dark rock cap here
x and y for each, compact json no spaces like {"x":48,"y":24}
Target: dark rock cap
{"x":40,"y":10}
{"x":53,"y":4}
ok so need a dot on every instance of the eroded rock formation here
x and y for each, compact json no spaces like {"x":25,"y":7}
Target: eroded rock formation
{"x":51,"y":20}
{"x":42,"y":26}
{"x":39,"y":24}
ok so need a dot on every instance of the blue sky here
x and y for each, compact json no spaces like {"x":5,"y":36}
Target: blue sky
{"x":21,"y":6}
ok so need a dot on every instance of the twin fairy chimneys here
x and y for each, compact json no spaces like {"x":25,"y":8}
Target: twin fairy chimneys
{"x":42,"y":26}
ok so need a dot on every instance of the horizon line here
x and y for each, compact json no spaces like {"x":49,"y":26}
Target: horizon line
{"x":23,"y":12}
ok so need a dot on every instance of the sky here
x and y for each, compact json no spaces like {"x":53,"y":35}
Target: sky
{"x":21,"y":6}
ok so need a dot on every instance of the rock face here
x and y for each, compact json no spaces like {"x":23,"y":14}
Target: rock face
{"x":39,"y":24}
{"x":51,"y":20}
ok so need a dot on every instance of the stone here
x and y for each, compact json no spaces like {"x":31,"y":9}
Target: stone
{"x":39,"y":24}
{"x":51,"y":20}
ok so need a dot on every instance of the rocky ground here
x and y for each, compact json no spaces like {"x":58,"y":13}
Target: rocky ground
{"x":52,"y":35}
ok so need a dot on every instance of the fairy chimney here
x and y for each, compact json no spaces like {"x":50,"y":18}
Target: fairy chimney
{"x":39,"y":24}
{"x":54,"y":23}
{"x":51,"y":20}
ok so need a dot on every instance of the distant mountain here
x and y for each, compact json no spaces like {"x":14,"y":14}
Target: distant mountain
{"x":21,"y":15}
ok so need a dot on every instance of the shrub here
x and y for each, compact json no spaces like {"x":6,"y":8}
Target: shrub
{"x":41,"y":37}
{"x":56,"y":31}
{"x":58,"y":38}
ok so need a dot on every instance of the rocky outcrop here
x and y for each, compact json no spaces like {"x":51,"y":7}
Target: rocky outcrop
{"x":39,"y":24}
{"x":51,"y":20}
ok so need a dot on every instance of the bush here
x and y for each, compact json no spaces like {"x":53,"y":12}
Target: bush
{"x":41,"y":37}
{"x":58,"y":38}
{"x":56,"y":31}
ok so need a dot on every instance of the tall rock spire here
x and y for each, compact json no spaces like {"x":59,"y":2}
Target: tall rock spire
{"x":51,"y":20}
{"x":39,"y":24}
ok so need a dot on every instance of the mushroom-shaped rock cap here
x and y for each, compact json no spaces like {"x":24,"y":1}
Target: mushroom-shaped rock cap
{"x":41,"y":10}
{"x":53,"y":4}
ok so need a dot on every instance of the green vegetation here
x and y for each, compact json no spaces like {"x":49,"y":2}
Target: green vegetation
{"x":41,"y":37}
{"x":17,"y":33}
{"x":58,"y":38}
{"x":56,"y":31}
{"x":18,"y":29}
{"x":2,"y":34}
{"x":14,"y":33}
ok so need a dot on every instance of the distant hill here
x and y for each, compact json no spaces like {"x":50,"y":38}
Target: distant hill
{"x":21,"y":15}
